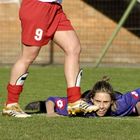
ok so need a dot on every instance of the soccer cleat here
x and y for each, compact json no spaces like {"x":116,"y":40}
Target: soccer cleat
{"x":14,"y":110}
{"x":81,"y":106}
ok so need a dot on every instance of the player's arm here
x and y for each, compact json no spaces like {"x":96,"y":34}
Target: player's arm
{"x":135,"y":99}
{"x":50,"y":109}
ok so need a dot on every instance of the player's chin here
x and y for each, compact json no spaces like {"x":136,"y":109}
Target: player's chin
{"x":101,"y":114}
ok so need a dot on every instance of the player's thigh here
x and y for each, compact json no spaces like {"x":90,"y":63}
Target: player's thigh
{"x":67,"y":40}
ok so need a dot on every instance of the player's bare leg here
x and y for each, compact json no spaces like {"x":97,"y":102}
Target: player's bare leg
{"x":18,"y":76}
{"x":21,"y":66}
{"x":70,"y":43}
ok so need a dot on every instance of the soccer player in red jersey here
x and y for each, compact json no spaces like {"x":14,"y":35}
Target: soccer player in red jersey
{"x":42,"y":21}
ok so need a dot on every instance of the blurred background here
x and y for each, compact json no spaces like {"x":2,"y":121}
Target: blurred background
{"x":94,"y":22}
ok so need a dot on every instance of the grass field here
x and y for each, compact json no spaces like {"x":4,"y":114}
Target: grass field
{"x":49,"y":81}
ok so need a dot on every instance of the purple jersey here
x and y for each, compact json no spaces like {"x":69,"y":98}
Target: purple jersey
{"x":60,"y":105}
{"x":126,"y":103}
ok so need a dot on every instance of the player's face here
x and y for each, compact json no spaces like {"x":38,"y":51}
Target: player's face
{"x":103,"y":101}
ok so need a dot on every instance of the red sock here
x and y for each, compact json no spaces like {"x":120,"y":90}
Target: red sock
{"x":13,"y":93}
{"x":73,"y":94}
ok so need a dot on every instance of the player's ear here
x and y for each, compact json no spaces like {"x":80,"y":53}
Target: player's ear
{"x":113,"y":106}
{"x":112,"y":102}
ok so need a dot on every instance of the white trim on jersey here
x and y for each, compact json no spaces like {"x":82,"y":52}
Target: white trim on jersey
{"x":58,"y":1}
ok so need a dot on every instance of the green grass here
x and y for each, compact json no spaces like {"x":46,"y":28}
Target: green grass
{"x":49,"y":81}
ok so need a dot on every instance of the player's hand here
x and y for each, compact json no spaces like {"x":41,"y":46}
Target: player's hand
{"x":53,"y":115}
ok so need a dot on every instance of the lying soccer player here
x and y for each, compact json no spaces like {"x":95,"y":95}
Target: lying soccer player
{"x":109,"y":102}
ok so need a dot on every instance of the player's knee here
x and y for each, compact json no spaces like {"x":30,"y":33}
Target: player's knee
{"x":28,"y":60}
{"x":29,"y":54}
{"x":74,"y":49}
{"x":78,"y":49}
